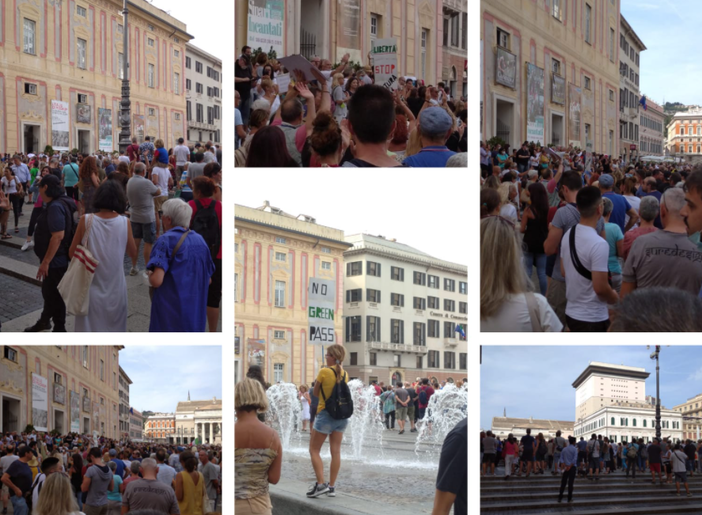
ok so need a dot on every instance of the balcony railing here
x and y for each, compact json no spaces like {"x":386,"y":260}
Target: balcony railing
{"x":398,"y":347}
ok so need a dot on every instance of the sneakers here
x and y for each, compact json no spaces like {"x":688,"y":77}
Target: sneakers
{"x":689,"y":494}
{"x":317,"y":490}
{"x":133,"y":272}
{"x":331,"y":492}
{"x":27,"y":245}
{"x":401,"y":432}
{"x":413,"y":430}
{"x":38,"y":327}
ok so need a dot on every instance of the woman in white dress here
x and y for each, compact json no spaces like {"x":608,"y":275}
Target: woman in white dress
{"x":305,"y":399}
{"x":107,"y":234}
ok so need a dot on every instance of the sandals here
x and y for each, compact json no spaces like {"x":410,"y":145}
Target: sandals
{"x":16,"y":230}
{"x":5,"y":236}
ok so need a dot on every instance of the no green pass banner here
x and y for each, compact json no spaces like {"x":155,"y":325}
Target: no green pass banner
{"x":320,"y":312}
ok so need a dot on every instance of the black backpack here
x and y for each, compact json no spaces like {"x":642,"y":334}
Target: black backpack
{"x":423,"y":396}
{"x":206,"y":224}
{"x":42,"y":236}
{"x":339,"y":405}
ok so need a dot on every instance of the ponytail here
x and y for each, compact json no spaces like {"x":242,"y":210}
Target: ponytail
{"x":338,"y":353}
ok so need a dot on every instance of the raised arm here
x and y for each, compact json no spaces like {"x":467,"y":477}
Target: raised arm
{"x":305,"y":93}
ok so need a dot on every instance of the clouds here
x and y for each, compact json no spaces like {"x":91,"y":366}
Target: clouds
{"x":162,"y":376}
{"x":537,"y":381}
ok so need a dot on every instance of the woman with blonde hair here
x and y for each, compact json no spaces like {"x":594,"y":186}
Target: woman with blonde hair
{"x":414,"y":143}
{"x":270,"y":94}
{"x":325,"y":425}
{"x":339,"y":97}
{"x":304,"y":397}
{"x":506,"y":304}
{"x":508,"y":192}
{"x":56,"y":497}
{"x":258,"y":453}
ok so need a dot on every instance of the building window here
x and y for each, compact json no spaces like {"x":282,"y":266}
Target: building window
{"x":152,"y":111}
{"x":463,"y":360}
{"x":396,"y":360}
{"x":82,"y":46}
{"x":81,"y":11}
{"x":503,"y":38}
{"x":30,"y":36}
{"x":354,"y":295}
{"x":373,"y":329}
{"x":449,"y":330}
{"x":353,"y":329}
{"x":463,"y":288}
{"x":556,"y":11}
{"x":449,"y":360}
{"x":463,"y":308}
{"x":373,"y":27}
{"x":152,"y":75}
{"x":449,"y":305}
{"x":188,"y":62}
{"x":199,"y":117}
{"x":397,"y":329}
{"x":355,"y":268}
{"x":176,"y":53}
{"x":397,"y":299}
{"x":281,"y":240}
{"x":10,"y":354}
{"x":433,"y":281}
{"x":373,"y":269}
{"x":556,"y":66}
{"x":587,"y":83}
{"x":455,"y":32}
{"x":177,"y":116}
{"x":372,"y":295}
{"x":420,"y":278}
{"x":354,"y":358}
{"x":433,"y":302}
{"x":280,"y":256}
{"x":326,"y":265}
{"x":120,"y":28}
{"x":279,"y":294}
{"x":188,"y":109}
{"x":397,"y":273}
{"x":419,"y":362}
{"x":434,"y":329}
{"x":611,"y":44}
{"x":373,"y":358}
{"x":279,"y":335}
{"x":85,"y":356}
{"x":30,"y":89}
{"x":433,"y":359}
{"x":102,"y":370}
{"x":150,"y":42}
{"x":176,"y":83}
{"x":120,"y":65}
{"x":419,"y":303}
{"x":278,"y":372}
{"x":198,"y":66}
{"x":420,"y":331}
{"x":425,"y":41}
{"x":449,"y":285}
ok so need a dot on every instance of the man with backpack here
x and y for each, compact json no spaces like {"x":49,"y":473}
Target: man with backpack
{"x":690,"y":451}
{"x":632,"y":453}
{"x":559,"y":444}
{"x":52,"y":238}
{"x":424,"y":393}
{"x":593,"y":455}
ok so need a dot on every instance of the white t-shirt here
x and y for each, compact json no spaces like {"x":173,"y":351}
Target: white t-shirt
{"x":163,"y":176}
{"x":514,"y":316}
{"x":124,"y":159}
{"x":583,"y":304}
{"x":634,"y":202}
{"x":181,"y":153}
{"x":6,"y":461}
{"x":509,"y":212}
{"x":9,"y":186}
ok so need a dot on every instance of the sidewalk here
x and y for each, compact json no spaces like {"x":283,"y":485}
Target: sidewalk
{"x":17,"y":265}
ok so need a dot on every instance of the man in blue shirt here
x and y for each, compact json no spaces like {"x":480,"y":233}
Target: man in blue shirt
{"x":582,"y":451}
{"x":631,"y":454}
{"x":650,"y":189}
{"x":568,"y":462}
{"x":435,"y":127}
{"x":21,"y":171}
{"x":622,"y":208}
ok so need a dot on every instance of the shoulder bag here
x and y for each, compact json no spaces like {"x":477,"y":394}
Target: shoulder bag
{"x":152,"y":290}
{"x":75,"y":285}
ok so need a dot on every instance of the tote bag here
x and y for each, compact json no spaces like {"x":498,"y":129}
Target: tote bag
{"x":75,"y":285}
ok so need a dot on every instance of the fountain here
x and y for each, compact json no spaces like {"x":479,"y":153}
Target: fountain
{"x":285,"y":411}
{"x":365,"y":425}
{"x":446,"y":408}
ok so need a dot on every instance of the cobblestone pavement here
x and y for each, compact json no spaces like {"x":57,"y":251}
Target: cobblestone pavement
{"x":18,"y":298}
{"x":27,"y":256}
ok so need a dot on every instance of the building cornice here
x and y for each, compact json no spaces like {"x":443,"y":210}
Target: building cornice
{"x":598,"y":369}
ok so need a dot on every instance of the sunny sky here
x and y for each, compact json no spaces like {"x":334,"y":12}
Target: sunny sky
{"x":537,"y":381}
{"x":408,"y":206}
{"x":669,"y":71}
{"x":162,"y":376}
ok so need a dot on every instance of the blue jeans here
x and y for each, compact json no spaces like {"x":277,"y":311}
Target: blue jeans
{"x":19,"y":505}
{"x":540,"y":261}
{"x":245,"y":108}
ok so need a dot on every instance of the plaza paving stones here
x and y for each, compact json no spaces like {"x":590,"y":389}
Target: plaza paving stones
{"x":612,"y":494}
{"x":18,"y":298}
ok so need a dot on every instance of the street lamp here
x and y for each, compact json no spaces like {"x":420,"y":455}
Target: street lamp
{"x":655,"y":355}
{"x":125,"y":111}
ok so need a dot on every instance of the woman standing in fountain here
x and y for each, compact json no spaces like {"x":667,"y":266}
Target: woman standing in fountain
{"x":324,"y":424}
{"x":258,"y":453}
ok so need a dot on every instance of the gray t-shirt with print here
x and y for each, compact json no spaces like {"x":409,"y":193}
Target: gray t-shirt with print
{"x":141,"y":199}
{"x":664,"y":258}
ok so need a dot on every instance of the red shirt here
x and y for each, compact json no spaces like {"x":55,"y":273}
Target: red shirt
{"x":133,"y":152}
{"x":430,"y":392}
{"x":218,"y":209}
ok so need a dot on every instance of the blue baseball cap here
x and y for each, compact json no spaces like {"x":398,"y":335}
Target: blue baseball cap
{"x":434,"y":121}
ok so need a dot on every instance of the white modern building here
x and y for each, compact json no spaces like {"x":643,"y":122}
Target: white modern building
{"x":611,"y":400}
{"x":630,"y":47}
{"x":199,"y":420}
{"x":401,"y":308}
{"x":203,"y":96}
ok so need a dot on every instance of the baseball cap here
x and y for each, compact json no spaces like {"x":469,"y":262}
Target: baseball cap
{"x":606,"y":180}
{"x":113,"y":452}
{"x":434,"y":121}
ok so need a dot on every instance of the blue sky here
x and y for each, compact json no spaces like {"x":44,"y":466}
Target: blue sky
{"x":670,"y":67}
{"x":537,"y":381}
{"x":162,"y":376}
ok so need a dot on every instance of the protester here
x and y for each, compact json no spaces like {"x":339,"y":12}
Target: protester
{"x":569,"y":465}
{"x":17,"y":477}
{"x":534,"y":226}
{"x":189,"y":486}
{"x":56,"y":497}
{"x":148,"y":493}
{"x":211,"y":477}
{"x":88,"y":184}
{"x":649,"y":210}
{"x":97,"y":481}
{"x":435,"y":127}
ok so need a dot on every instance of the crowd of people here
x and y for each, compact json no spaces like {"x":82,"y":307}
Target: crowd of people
{"x":340,"y":117}
{"x":324,"y":406}
{"x":588,"y":243}
{"x":591,"y":459}
{"x":51,"y":474}
{"x":107,"y":204}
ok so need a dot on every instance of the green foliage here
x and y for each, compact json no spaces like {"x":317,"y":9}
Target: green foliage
{"x":74,"y":151}
{"x":496,"y":140}
{"x":356,"y":65}
{"x":271,"y":54}
{"x":29,"y":428}
{"x":49,"y":150}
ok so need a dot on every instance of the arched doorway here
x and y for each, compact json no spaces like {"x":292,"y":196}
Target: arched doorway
{"x":396,"y":377}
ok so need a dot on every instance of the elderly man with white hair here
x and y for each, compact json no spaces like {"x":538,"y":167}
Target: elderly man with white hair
{"x":179,"y":270}
{"x":665,"y":258}
{"x":149,"y":493}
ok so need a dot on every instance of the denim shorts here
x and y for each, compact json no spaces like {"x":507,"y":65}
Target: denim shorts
{"x":146,"y":231}
{"x":324,"y":423}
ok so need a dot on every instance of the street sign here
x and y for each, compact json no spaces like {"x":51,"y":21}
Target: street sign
{"x":321,"y":311}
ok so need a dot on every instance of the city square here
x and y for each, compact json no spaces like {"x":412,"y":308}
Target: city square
{"x":107,"y":408}
{"x":96,"y":97}
{"x":618,"y":396}
{"x":590,"y":159}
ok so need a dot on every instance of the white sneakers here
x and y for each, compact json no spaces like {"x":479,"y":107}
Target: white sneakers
{"x":27,"y":245}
